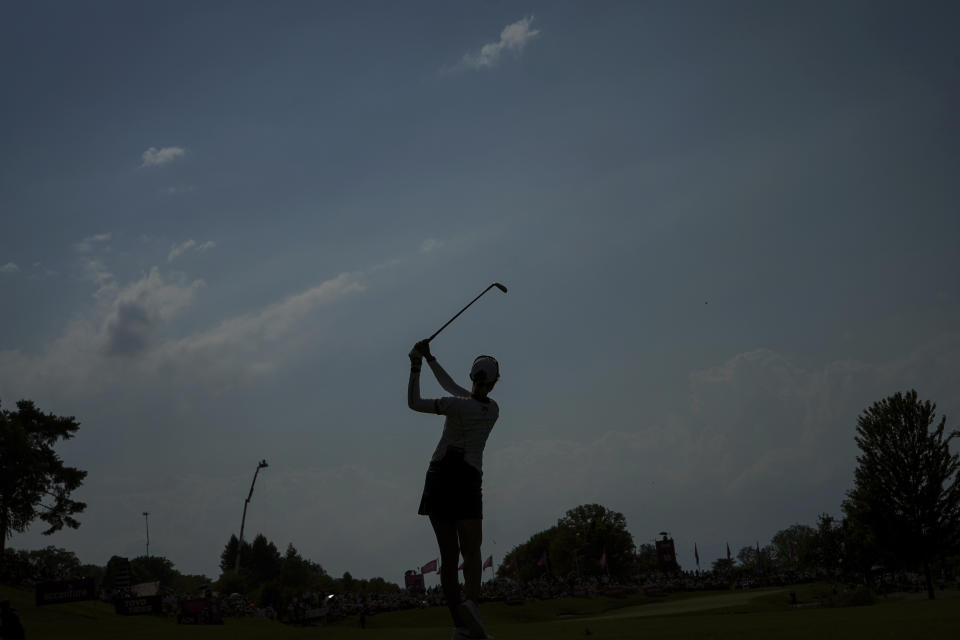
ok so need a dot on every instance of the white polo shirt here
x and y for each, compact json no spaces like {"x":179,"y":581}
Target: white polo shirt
{"x":468,"y":425}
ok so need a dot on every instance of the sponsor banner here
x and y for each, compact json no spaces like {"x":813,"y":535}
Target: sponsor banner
{"x":146,"y":589}
{"x":138,"y":606}
{"x":66,"y":591}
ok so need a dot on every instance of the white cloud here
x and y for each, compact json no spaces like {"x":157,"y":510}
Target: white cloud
{"x":92,"y":267}
{"x":135,"y":321}
{"x":154,"y":157}
{"x":10,"y":267}
{"x":89,"y":243}
{"x":430,"y":244}
{"x":140,"y":310}
{"x":178,"y":250}
{"x":513,"y":38}
{"x":249,"y":332}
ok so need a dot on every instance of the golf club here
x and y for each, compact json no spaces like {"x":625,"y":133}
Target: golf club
{"x":495,"y":284}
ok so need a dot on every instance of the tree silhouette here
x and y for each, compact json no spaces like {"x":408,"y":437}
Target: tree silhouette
{"x":34,"y":481}
{"x":574,"y":546}
{"x":228,"y":557}
{"x":795,"y":548}
{"x":829,"y":544}
{"x":906,"y":494}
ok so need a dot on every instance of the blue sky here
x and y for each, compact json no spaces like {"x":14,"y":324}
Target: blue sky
{"x":726,"y":229}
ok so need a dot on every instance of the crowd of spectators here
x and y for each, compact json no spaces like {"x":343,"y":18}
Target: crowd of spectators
{"x":318,"y":608}
{"x":208,"y":606}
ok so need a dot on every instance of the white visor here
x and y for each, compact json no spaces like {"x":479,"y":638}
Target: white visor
{"x":485,"y":369}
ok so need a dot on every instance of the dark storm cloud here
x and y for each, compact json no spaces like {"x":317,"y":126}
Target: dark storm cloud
{"x":128,"y":332}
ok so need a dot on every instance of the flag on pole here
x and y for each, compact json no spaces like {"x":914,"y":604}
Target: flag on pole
{"x":696,"y":554}
{"x":430,"y":567}
{"x":542,"y":562}
{"x":603,"y":560}
{"x":487,"y":563}
{"x":728,"y":551}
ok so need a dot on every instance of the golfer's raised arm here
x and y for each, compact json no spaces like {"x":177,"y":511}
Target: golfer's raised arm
{"x":446,"y":381}
{"x":414,"y":401}
{"x":451,"y":387}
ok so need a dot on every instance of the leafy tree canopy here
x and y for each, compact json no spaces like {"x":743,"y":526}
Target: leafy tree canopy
{"x":575,"y":545}
{"x":272,"y":578}
{"x":34,"y":481}
{"x":795,"y":548}
{"x":905,"y":502}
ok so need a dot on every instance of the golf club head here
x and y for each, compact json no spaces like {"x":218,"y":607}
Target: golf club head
{"x":500,"y":286}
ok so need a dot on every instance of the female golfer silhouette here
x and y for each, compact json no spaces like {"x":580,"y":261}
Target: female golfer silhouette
{"x":452,"y":491}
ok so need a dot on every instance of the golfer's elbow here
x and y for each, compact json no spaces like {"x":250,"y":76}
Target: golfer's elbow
{"x":421,"y":405}
{"x":413,"y":399}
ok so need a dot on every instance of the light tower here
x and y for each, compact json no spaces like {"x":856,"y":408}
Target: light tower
{"x":146,"y":520}
{"x":260,"y":465}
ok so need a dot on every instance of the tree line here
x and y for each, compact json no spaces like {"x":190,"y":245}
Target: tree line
{"x":270,"y":578}
{"x":53,"y":563}
{"x":266,"y":576}
{"x":902,"y":514}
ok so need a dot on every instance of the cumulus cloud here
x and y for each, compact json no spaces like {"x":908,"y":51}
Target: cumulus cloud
{"x":513,"y":38}
{"x":90,"y":243}
{"x":95,"y":270}
{"x":154,"y":157}
{"x":267,"y":325}
{"x":10,"y":267}
{"x":92,"y":266}
{"x":141,"y":309}
{"x":178,"y":250}
{"x":128,"y":336}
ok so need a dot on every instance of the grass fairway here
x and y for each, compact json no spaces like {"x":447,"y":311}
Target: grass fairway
{"x":762,"y":614}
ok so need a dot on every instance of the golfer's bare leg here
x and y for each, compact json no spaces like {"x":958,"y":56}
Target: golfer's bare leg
{"x":446,"y":532}
{"x":471,"y":536}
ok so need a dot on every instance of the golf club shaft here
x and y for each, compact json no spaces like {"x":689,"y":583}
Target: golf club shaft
{"x":500,"y":286}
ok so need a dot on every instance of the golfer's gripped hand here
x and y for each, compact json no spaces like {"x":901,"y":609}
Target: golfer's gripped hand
{"x":423,"y":348}
{"x":416,"y":358}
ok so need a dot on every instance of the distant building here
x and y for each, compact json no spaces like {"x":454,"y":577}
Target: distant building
{"x":666,"y":555}
{"x":413,"y":580}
